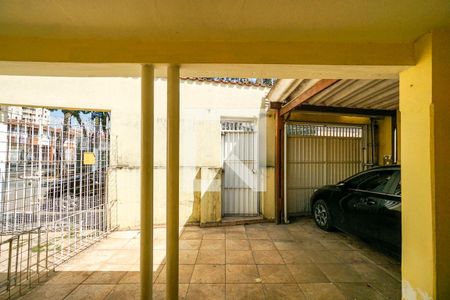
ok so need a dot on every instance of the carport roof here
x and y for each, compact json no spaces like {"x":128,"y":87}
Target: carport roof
{"x":376,"y":94}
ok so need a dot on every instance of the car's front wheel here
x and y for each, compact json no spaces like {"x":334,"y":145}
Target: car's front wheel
{"x":322,"y":215}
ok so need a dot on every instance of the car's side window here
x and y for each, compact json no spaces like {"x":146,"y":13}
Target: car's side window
{"x":356,"y":181}
{"x":377,"y":182}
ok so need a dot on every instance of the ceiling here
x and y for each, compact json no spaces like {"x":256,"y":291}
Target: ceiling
{"x":366,"y":94}
{"x":389,"y":21}
{"x":235,"y":38}
{"x":348,"y":93}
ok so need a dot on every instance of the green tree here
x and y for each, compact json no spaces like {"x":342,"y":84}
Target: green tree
{"x":101,"y":119}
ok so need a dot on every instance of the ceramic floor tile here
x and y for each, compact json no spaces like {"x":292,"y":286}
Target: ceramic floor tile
{"x":321,"y":291}
{"x":191,"y":235}
{"x":311,"y":244}
{"x":245,"y":291}
{"x":54,"y":292}
{"x":307,"y":273}
{"x":256,"y":261}
{"x":262,"y":245}
{"x":388,"y":290}
{"x":341,"y":273}
{"x":268,"y":257}
{"x":184,"y":274}
{"x":212,"y":245}
{"x":280,"y":236}
{"x":351,"y":256}
{"x":242,"y":274}
{"x":208,"y":274}
{"x":242,"y":257}
{"x":68,"y":277}
{"x":379,"y":258}
{"x":189,"y":244}
{"x":159,"y":291}
{"x":237,"y":245}
{"x":287,"y":245}
{"x":295,"y":256}
{"x":275,"y":274}
{"x":236,"y":235}
{"x":283,"y":291}
{"x":326,"y":257}
{"x":206,"y":292}
{"x":135,"y":277}
{"x":90,"y":292}
{"x":359,"y":291}
{"x":257,"y":235}
{"x":187,"y":257}
{"x":372,"y":273}
{"x":214,"y":236}
{"x":211,"y":257}
{"x":105,"y":277}
{"x":235,"y":228}
{"x":335,"y":245}
{"x":125,"y":291}
{"x":393,"y":270}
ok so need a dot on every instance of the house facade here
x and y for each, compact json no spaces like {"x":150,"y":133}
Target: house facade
{"x":214,"y":136}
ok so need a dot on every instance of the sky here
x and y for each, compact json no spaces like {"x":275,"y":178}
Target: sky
{"x":58,"y":117}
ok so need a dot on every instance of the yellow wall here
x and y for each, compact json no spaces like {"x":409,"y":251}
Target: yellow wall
{"x":399,"y":137}
{"x":267,"y":135}
{"x":425,"y":132}
{"x":384,"y":138}
{"x":441,"y":162}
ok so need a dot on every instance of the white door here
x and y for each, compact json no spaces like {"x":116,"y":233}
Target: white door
{"x":240,"y":169}
{"x":318,"y":155}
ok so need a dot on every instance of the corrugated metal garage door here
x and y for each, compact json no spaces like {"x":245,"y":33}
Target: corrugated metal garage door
{"x":239,"y":153}
{"x":318,"y":155}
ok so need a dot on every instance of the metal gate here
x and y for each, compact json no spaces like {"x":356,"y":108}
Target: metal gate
{"x":240,"y":169}
{"x":53,"y":192}
{"x":318,"y":155}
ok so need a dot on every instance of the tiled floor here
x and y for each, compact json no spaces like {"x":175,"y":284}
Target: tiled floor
{"x":259,"y":261}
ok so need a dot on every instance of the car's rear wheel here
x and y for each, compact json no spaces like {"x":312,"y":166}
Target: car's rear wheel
{"x":322,"y":215}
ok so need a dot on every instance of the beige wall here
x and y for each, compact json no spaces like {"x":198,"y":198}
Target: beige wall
{"x":202,"y":107}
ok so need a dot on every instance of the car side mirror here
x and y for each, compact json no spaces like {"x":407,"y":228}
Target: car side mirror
{"x":341,"y":184}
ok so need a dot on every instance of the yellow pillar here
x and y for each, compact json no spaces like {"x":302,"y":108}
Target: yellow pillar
{"x":172,"y":182}
{"x":385,"y":146}
{"x":425,"y":153}
{"x":147,"y":115}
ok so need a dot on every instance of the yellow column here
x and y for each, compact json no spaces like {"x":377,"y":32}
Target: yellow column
{"x":173,"y":163}
{"x":147,"y":115}
{"x":425,"y":153}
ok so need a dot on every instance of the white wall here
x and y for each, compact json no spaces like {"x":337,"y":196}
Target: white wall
{"x":203,"y":104}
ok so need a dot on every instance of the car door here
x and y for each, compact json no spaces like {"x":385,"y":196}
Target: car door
{"x":390,"y":221}
{"x":362,"y":206}
{"x":343,"y":209}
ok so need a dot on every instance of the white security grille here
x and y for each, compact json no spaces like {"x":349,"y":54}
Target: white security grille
{"x":240,"y":173}
{"x":318,"y":155}
{"x":53,"y":194}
